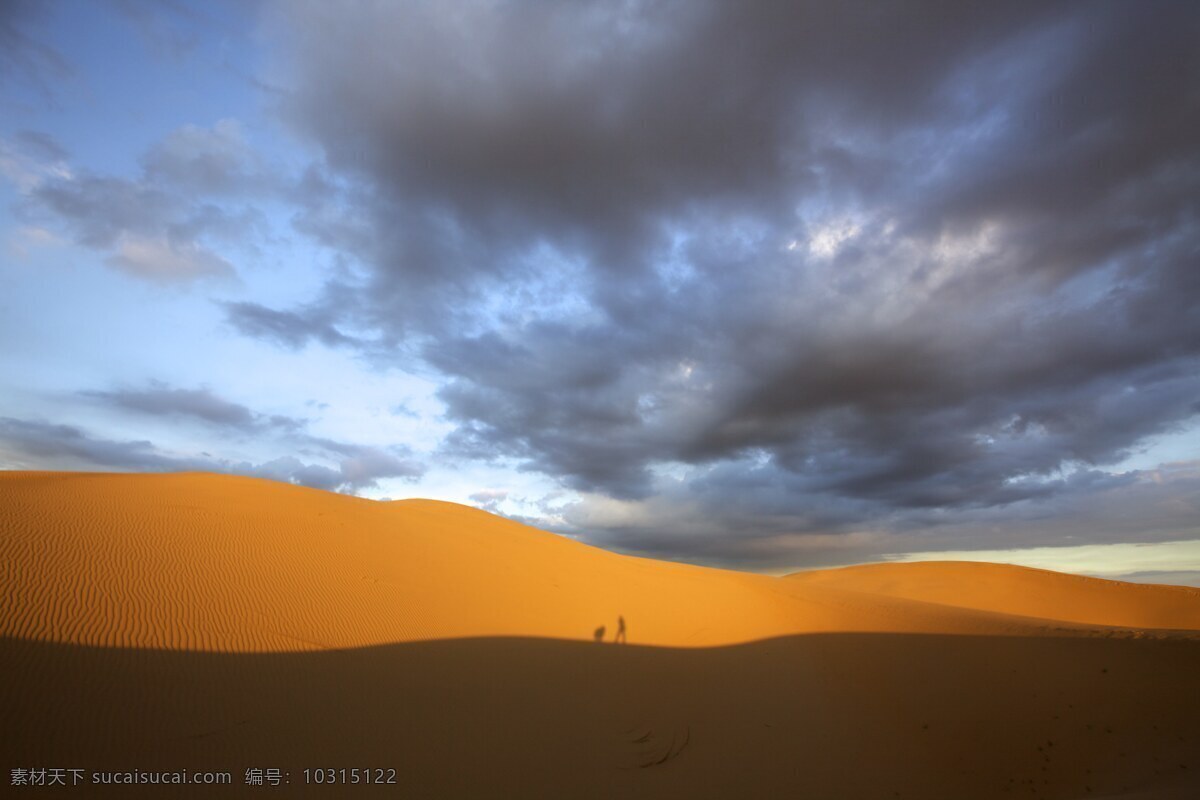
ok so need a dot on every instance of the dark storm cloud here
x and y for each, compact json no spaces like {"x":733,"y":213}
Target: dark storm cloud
{"x":200,"y":404}
{"x":845,"y":262}
{"x":757,"y":518}
{"x":353,"y":468}
{"x":591,"y":129}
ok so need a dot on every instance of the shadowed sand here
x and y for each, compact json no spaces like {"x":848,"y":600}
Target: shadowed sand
{"x":208,"y":622}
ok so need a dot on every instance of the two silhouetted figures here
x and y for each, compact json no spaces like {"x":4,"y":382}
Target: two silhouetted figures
{"x":619,"y":638}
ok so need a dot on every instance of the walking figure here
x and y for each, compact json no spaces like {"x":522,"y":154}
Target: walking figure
{"x":621,"y":631}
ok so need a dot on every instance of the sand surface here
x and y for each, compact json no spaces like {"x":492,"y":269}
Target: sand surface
{"x":202,"y":622}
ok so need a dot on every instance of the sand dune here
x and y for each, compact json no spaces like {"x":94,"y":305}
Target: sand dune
{"x":196,"y":621}
{"x":1020,"y":590}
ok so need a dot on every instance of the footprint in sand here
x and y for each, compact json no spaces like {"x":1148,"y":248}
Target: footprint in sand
{"x":655,"y":748}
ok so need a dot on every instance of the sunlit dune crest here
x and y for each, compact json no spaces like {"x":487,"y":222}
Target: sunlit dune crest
{"x":210,"y":562}
{"x":196,"y":620}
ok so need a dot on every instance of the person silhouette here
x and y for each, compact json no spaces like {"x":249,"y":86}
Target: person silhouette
{"x":620,"y":637}
{"x":599,"y":634}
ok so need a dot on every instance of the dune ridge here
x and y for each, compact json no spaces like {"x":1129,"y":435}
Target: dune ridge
{"x":230,"y":564}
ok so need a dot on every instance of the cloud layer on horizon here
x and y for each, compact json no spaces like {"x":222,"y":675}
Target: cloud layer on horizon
{"x":332,"y":465}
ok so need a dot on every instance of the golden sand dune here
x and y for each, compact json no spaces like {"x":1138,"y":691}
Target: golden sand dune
{"x":202,"y":622}
{"x":1020,"y":590}
{"x":220,"y":563}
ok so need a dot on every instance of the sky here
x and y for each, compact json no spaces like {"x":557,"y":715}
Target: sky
{"x":766,"y":286}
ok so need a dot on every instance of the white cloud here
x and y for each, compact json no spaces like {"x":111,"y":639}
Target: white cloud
{"x":827,"y":239}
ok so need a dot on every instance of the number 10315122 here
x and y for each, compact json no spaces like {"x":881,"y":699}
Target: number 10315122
{"x":349,"y":777}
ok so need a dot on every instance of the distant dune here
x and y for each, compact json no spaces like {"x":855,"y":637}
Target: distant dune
{"x":204,"y":622}
{"x":1020,"y":590}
